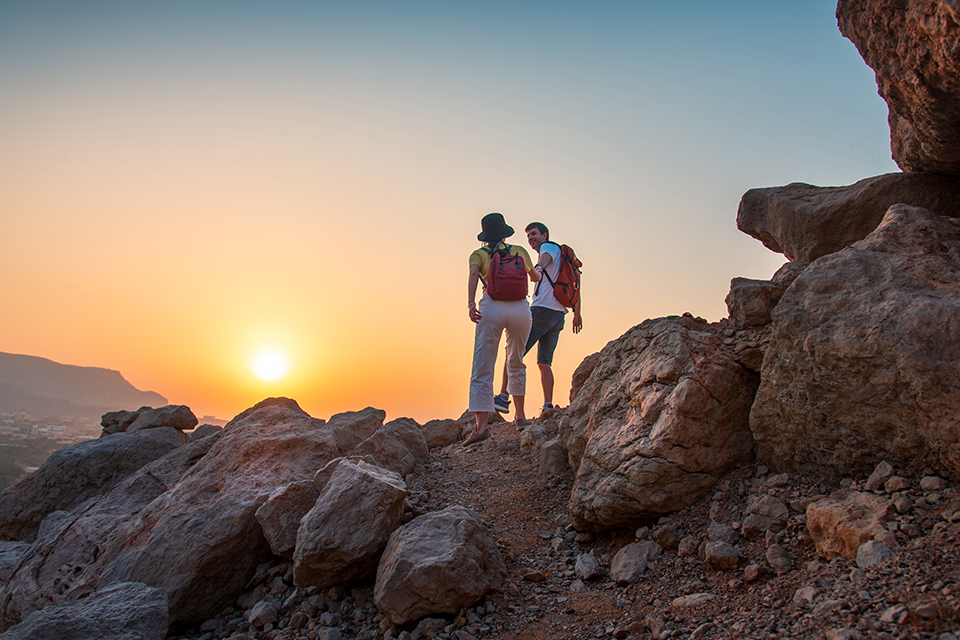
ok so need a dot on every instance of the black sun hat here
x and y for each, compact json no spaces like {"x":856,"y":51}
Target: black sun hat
{"x":494,"y":228}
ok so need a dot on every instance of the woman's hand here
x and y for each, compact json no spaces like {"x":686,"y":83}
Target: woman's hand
{"x":475,"y":314}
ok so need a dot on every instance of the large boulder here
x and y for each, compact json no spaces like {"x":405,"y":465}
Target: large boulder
{"x":198,"y":538}
{"x":341,"y":538}
{"x":661,"y":418}
{"x":121,"y":611}
{"x":74,"y":474}
{"x":441,"y":562}
{"x":864,"y":358}
{"x":805,"y":222}
{"x":280,"y":515}
{"x":64,"y":564}
{"x":398,"y":445}
{"x":177,"y":416}
{"x":912,"y":47}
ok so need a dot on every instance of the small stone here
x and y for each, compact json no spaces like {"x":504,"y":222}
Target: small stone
{"x":895,"y":614}
{"x":721,"y":555}
{"x":843,"y":634}
{"x":534,"y":576}
{"x":688,"y":546}
{"x":880,"y":474}
{"x":902,"y":503}
{"x":588,"y":567}
{"x":667,"y":536}
{"x":752,"y":573}
{"x":779,"y":559}
{"x":895,"y":484}
{"x":872,"y":553}
{"x":692,"y":600}
{"x":929,"y":484}
{"x":805,"y":595}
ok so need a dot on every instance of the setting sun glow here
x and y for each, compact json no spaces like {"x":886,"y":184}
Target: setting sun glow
{"x":270,"y":364}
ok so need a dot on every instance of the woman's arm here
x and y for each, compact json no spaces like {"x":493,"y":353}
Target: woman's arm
{"x":472,"y":281}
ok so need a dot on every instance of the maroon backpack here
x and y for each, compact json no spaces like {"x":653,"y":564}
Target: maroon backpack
{"x":507,"y":275}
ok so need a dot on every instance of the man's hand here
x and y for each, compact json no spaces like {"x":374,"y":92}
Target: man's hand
{"x":577,"y":322}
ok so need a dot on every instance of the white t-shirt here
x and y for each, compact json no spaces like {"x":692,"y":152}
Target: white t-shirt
{"x":543,"y":291}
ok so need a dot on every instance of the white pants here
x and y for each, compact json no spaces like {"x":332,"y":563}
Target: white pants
{"x":497,"y":316}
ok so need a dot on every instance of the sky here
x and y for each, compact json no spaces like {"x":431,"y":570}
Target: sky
{"x":184,"y":184}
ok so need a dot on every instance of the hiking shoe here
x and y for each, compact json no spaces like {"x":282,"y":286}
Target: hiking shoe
{"x":476,"y":437}
{"x":501,"y":403}
{"x":547,"y":405}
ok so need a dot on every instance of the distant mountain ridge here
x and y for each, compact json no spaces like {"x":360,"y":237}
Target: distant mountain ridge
{"x":41,"y":386}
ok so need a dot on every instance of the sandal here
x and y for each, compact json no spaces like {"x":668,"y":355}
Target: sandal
{"x":476,"y":437}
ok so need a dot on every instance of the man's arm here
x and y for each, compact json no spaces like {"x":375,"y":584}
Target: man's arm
{"x":577,"y":320}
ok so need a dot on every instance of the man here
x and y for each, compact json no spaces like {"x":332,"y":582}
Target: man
{"x":547,"y":313}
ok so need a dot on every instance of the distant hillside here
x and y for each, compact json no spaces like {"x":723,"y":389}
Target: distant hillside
{"x":41,"y":386}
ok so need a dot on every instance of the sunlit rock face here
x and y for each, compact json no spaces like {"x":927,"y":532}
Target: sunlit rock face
{"x":912,"y":45}
{"x":805,"y":222}
{"x":863,"y":362}
{"x":663,"y":414}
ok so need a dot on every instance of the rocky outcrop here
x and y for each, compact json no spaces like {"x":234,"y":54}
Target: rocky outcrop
{"x":805,"y":222}
{"x":191,"y":531}
{"x":440,"y":562}
{"x":582,"y":373}
{"x":662,"y":416}
{"x":70,"y":476}
{"x":912,"y":47}
{"x":177,"y":416}
{"x":121,"y":611}
{"x":341,"y":538}
{"x":864,"y":359}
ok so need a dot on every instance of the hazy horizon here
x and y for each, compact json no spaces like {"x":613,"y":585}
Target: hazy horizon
{"x":183,"y":185}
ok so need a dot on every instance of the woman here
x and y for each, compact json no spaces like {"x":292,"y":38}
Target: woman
{"x":492,"y":316}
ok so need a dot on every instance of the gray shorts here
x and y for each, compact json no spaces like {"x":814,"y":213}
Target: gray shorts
{"x":545,"y":331}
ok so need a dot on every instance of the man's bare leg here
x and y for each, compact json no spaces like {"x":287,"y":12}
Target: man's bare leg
{"x":546,"y":379}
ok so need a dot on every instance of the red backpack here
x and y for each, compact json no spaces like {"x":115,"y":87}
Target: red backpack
{"x":507,"y":275}
{"x":566,"y":288}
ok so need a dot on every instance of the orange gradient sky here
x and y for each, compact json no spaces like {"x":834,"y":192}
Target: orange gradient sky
{"x":182,"y":185}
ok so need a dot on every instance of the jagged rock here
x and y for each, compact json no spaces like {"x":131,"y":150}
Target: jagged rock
{"x":279,"y":516}
{"x":721,"y":555}
{"x":534,"y":437}
{"x":628,"y":564}
{"x":864,"y":358}
{"x":691,"y":600}
{"x":587,"y":567}
{"x":341,"y":538}
{"x":353,"y":427}
{"x":398,"y":445}
{"x":203,"y":431}
{"x":688,"y":546}
{"x":322,"y":477}
{"x":805,"y":222}
{"x":662,"y":416}
{"x":750,"y":302}
{"x":74,"y":474}
{"x":440,"y":562}
{"x":843,"y":521}
{"x":873,"y":552}
{"x":120,"y":611}
{"x":440,"y":433}
{"x":765,"y":513}
{"x":582,"y":373}
{"x":912,"y":48}
{"x":177,"y":416}
{"x":10,"y":555}
{"x":880,"y":474}
{"x":720,"y":532}
{"x":932,"y":483}
{"x":185,"y":523}
{"x":779,"y":559}
{"x":553,"y":458}
{"x":118,"y":421}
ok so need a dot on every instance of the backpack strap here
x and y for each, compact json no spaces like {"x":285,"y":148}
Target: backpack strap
{"x":536,"y":289}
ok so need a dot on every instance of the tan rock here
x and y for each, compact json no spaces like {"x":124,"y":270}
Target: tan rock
{"x":279,"y":516}
{"x":805,"y":222}
{"x":441,"y":562}
{"x":350,"y":428}
{"x":661,"y":417}
{"x":841,"y":522}
{"x":342,"y":536}
{"x":911,"y":46}
{"x":863,"y":363}
{"x":398,"y":445}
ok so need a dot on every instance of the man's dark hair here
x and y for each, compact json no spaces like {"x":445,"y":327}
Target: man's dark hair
{"x":539,"y":226}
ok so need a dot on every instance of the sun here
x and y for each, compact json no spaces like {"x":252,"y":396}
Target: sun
{"x":270,"y":364}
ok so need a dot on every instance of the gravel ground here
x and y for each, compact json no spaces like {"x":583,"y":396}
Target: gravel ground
{"x":916,"y":594}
